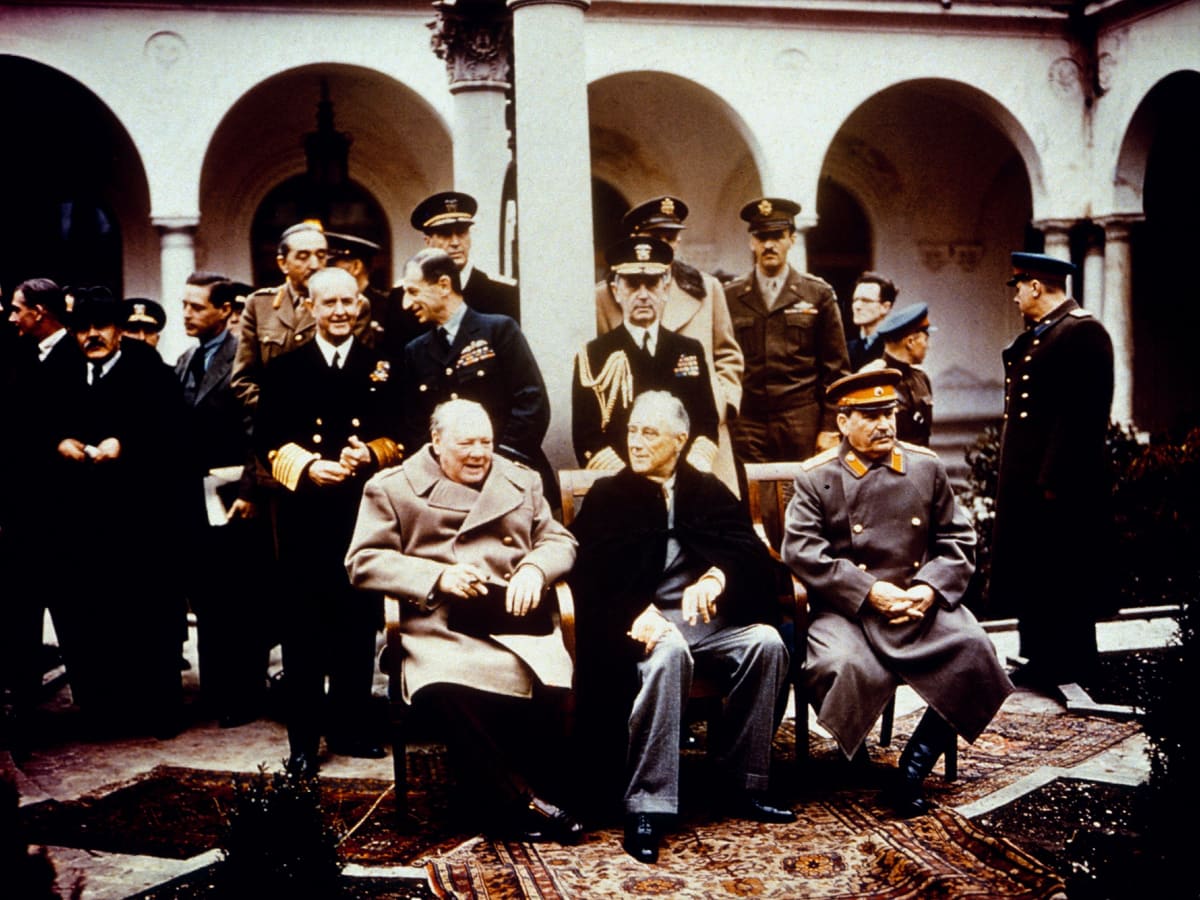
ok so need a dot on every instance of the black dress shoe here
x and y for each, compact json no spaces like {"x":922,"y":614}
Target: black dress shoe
{"x":756,"y":808}
{"x":642,"y":838}
{"x":303,"y":765}
{"x":543,"y":821}
{"x":357,"y":747}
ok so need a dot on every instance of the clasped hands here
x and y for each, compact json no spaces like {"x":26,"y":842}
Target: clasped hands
{"x":354,"y":456}
{"x":899,"y":605}
{"x":524,"y":591}
{"x":105,"y":450}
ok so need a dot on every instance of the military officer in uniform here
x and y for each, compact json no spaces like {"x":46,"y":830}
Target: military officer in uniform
{"x":874,"y":532}
{"x":903,"y":336}
{"x":385,"y":325}
{"x":144,"y":320}
{"x":1052,"y":497}
{"x":474,"y":356}
{"x":327,"y":418}
{"x":695,"y":308}
{"x":275,"y":320}
{"x":790,"y":330}
{"x":446,"y":219}
{"x":640,"y":355}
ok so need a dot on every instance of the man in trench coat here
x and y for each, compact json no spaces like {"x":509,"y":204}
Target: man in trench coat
{"x":886,"y":552}
{"x":452,"y":524}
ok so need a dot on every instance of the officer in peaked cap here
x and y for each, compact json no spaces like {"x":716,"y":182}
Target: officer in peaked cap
{"x":790,"y":330}
{"x":873,"y":391}
{"x":904,"y":334}
{"x":639,"y":355}
{"x":696,"y":309}
{"x":1054,"y":485}
{"x":144,"y":320}
{"x":770,"y":214}
{"x":356,"y":255}
{"x":446,"y":218}
{"x":1030,"y":266}
{"x":658,"y":214}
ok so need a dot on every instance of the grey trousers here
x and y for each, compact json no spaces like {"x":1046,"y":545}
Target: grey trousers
{"x":754,"y":661}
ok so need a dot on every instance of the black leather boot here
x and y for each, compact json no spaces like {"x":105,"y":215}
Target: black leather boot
{"x":921,"y":753}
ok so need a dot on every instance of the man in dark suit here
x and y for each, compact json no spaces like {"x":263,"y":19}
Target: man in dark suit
{"x":671,"y":578}
{"x":873,"y":298}
{"x":40,"y":358}
{"x":874,"y":532}
{"x":226,"y":578}
{"x":903,"y":336}
{"x":1052,"y":497}
{"x":115,"y":430}
{"x":640,"y":355}
{"x":327,"y":417}
{"x":446,"y":219}
{"x":790,"y":329}
{"x":474,"y":356}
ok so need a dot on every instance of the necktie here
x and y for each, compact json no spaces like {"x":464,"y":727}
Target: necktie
{"x":336,"y":362}
{"x":195,"y":375}
{"x":443,"y":337}
{"x":646,"y":346}
{"x":97,"y":372}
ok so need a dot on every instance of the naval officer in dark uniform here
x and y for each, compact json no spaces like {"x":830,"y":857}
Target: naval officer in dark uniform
{"x":446,"y":219}
{"x":639,"y":355}
{"x":327,"y":418}
{"x":790,"y":329}
{"x":1052,"y":498}
{"x":473,"y":356}
{"x":903,"y":336}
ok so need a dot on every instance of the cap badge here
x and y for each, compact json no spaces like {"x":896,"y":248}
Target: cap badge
{"x":451,"y":204}
{"x":765,"y":208}
{"x":667,"y":206}
{"x":878,"y":392}
{"x":643,"y":252}
{"x":139,"y":309}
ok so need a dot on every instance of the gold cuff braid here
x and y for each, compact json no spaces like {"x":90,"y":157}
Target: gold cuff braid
{"x":386,"y":451}
{"x":288,"y":464}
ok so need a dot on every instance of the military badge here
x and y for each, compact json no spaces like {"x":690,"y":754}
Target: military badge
{"x":765,"y":208}
{"x":474,"y":353}
{"x":687,"y":366}
{"x":383,"y":370}
{"x":803,"y":308}
{"x":667,"y":207}
{"x":643,"y":252}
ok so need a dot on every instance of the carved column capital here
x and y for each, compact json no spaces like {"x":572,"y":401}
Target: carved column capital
{"x":475,"y":40}
{"x":1116,"y":227}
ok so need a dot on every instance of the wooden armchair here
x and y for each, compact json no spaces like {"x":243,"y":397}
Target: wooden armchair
{"x":398,"y":710}
{"x":769,"y":488}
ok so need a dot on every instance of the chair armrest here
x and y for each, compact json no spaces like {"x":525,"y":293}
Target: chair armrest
{"x":566,"y":616}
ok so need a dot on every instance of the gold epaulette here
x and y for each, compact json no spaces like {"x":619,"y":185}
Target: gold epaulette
{"x":702,"y":454}
{"x":820,"y":459}
{"x":605,"y":460}
{"x":386,"y":451}
{"x":288,"y":464}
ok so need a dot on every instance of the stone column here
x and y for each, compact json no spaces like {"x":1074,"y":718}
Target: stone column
{"x":1093,"y":273}
{"x":798,"y":257}
{"x":177,"y":252}
{"x":1058,"y":241}
{"x":1118,"y":310}
{"x":475,"y":40}
{"x":554,"y":198}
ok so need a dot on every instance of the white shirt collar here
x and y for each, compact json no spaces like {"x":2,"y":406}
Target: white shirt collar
{"x":48,"y":343}
{"x":455,"y":322}
{"x":636,"y":332}
{"x":327,"y":349}
{"x":105,"y":367}
{"x":464,"y":274}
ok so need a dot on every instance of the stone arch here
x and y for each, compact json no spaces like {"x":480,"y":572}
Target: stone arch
{"x":657,"y":133}
{"x":76,"y":194}
{"x":400,"y":153}
{"x":1156,"y":175}
{"x":948,"y":180}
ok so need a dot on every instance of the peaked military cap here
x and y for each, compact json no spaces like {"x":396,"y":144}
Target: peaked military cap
{"x":445,"y":208}
{"x":870,"y":391}
{"x":770,"y":214}
{"x":347,"y":246}
{"x":661,"y":212}
{"x":94,"y":306}
{"x":900,"y":323}
{"x":1031,"y":265}
{"x":143,"y":314}
{"x":639,"y":255}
